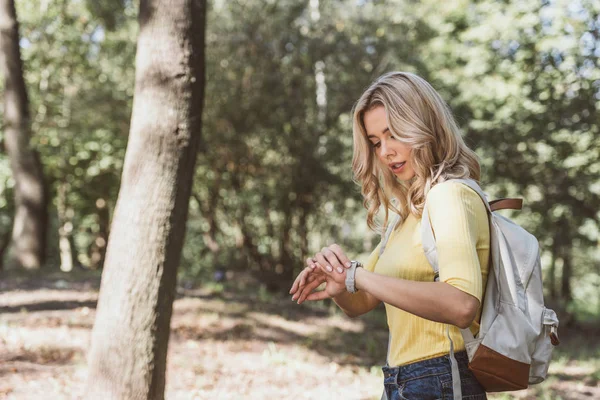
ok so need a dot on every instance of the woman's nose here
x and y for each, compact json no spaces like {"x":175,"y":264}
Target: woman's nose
{"x":386,"y":149}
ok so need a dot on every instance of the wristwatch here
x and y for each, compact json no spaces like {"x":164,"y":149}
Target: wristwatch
{"x":350,"y":274}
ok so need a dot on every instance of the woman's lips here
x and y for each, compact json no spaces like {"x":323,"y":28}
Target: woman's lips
{"x":397,"y":167}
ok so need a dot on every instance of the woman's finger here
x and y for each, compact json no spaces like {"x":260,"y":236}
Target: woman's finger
{"x":323,"y":263}
{"x":305,"y":291}
{"x":305,"y":275}
{"x":298,"y":281}
{"x":326,"y":268}
{"x":300,"y":297}
{"x":332,"y":259}
{"x":340,"y":255}
{"x":311,"y":262}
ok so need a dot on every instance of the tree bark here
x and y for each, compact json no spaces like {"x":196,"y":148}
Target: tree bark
{"x":566,"y":278}
{"x":65,"y":229}
{"x":31,"y":197}
{"x":303,"y":230}
{"x":552,"y":271}
{"x":4,"y":242}
{"x":128,"y":356}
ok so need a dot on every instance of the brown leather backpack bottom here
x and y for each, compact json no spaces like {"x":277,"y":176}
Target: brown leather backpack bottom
{"x":498,"y":373}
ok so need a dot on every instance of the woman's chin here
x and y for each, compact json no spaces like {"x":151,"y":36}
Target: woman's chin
{"x":406,"y":178}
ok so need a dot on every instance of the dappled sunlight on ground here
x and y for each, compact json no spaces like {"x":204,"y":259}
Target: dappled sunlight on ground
{"x":232,"y":345}
{"x":219,"y":349}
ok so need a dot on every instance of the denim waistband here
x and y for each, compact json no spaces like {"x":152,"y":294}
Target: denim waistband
{"x":419,"y":369}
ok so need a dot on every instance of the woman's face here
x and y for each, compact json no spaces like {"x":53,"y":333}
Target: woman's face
{"x":391,"y":152}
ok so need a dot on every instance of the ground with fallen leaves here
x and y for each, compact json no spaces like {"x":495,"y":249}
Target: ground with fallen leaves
{"x":231,"y":344}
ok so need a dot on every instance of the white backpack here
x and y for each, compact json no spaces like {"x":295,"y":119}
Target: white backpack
{"x":517,"y":333}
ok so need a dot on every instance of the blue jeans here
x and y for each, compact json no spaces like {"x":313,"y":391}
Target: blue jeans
{"x":431,"y":379}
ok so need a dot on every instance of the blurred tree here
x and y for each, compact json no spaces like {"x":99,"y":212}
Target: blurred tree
{"x":31,"y":198}
{"x":109,"y":12}
{"x":6,"y":221}
{"x":131,"y":332}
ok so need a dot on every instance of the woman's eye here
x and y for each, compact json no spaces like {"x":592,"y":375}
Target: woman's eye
{"x":376,"y":145}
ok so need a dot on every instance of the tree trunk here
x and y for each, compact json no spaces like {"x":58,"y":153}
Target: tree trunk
{"x":4,"y":242}
{"x":303,"y":231}
{"x":552,"y":271}
{"x":567,"y":271}
{"x":285,"y":266}
{"x":31,"y":208}
{"x":65,"y":229}
{"x":128,"y":356}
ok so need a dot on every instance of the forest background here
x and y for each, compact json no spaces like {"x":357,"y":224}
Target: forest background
{"x":273,"y":181}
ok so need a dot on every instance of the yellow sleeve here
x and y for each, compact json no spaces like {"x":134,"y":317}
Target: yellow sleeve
{"x":459,"y":220}
{"x":369,"y":265}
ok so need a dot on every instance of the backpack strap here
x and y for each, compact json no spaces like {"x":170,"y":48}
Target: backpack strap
{"x":510,"y":285}
{"x":387,"y":361}
{"x":506,"y":204}
{"x":428,"y":240}
{"x":456,"y":388}
{"x":388,"y":232}
{"x":384,"y":239}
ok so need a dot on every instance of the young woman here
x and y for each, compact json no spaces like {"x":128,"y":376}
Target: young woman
{"x":406,"y":146}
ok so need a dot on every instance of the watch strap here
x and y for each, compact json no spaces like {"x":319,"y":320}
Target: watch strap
{"x":351,"y":275}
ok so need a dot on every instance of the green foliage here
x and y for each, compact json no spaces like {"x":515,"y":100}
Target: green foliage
{"x":524,"y":79}
{"x":274,"y":172}
{"x":273,"y":181}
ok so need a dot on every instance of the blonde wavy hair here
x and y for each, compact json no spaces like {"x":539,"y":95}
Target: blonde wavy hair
{"x":417,"y":116}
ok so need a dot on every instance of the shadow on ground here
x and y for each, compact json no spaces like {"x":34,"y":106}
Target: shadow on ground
{"x":248,"y":315}
{"x":57,"y":299}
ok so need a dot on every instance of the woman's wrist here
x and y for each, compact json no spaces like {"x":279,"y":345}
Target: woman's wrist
{"x":359,"y":278}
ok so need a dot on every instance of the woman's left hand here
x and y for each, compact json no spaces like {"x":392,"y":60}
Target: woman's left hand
{"x":334,"y":285}
{"x":306,"y":276}
{"x":307,"y":281}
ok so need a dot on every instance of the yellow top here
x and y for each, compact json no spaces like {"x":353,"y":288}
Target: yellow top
{"x":460,"y":224}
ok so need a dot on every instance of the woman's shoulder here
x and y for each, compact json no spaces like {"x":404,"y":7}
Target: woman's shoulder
{"x":451,"y":188}
{"x":449,"y":192}
{"x":454,"y":201}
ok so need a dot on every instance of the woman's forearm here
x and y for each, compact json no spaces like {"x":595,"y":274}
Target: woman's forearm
{"x":356,"y":304}
{"x":435,"y":301}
